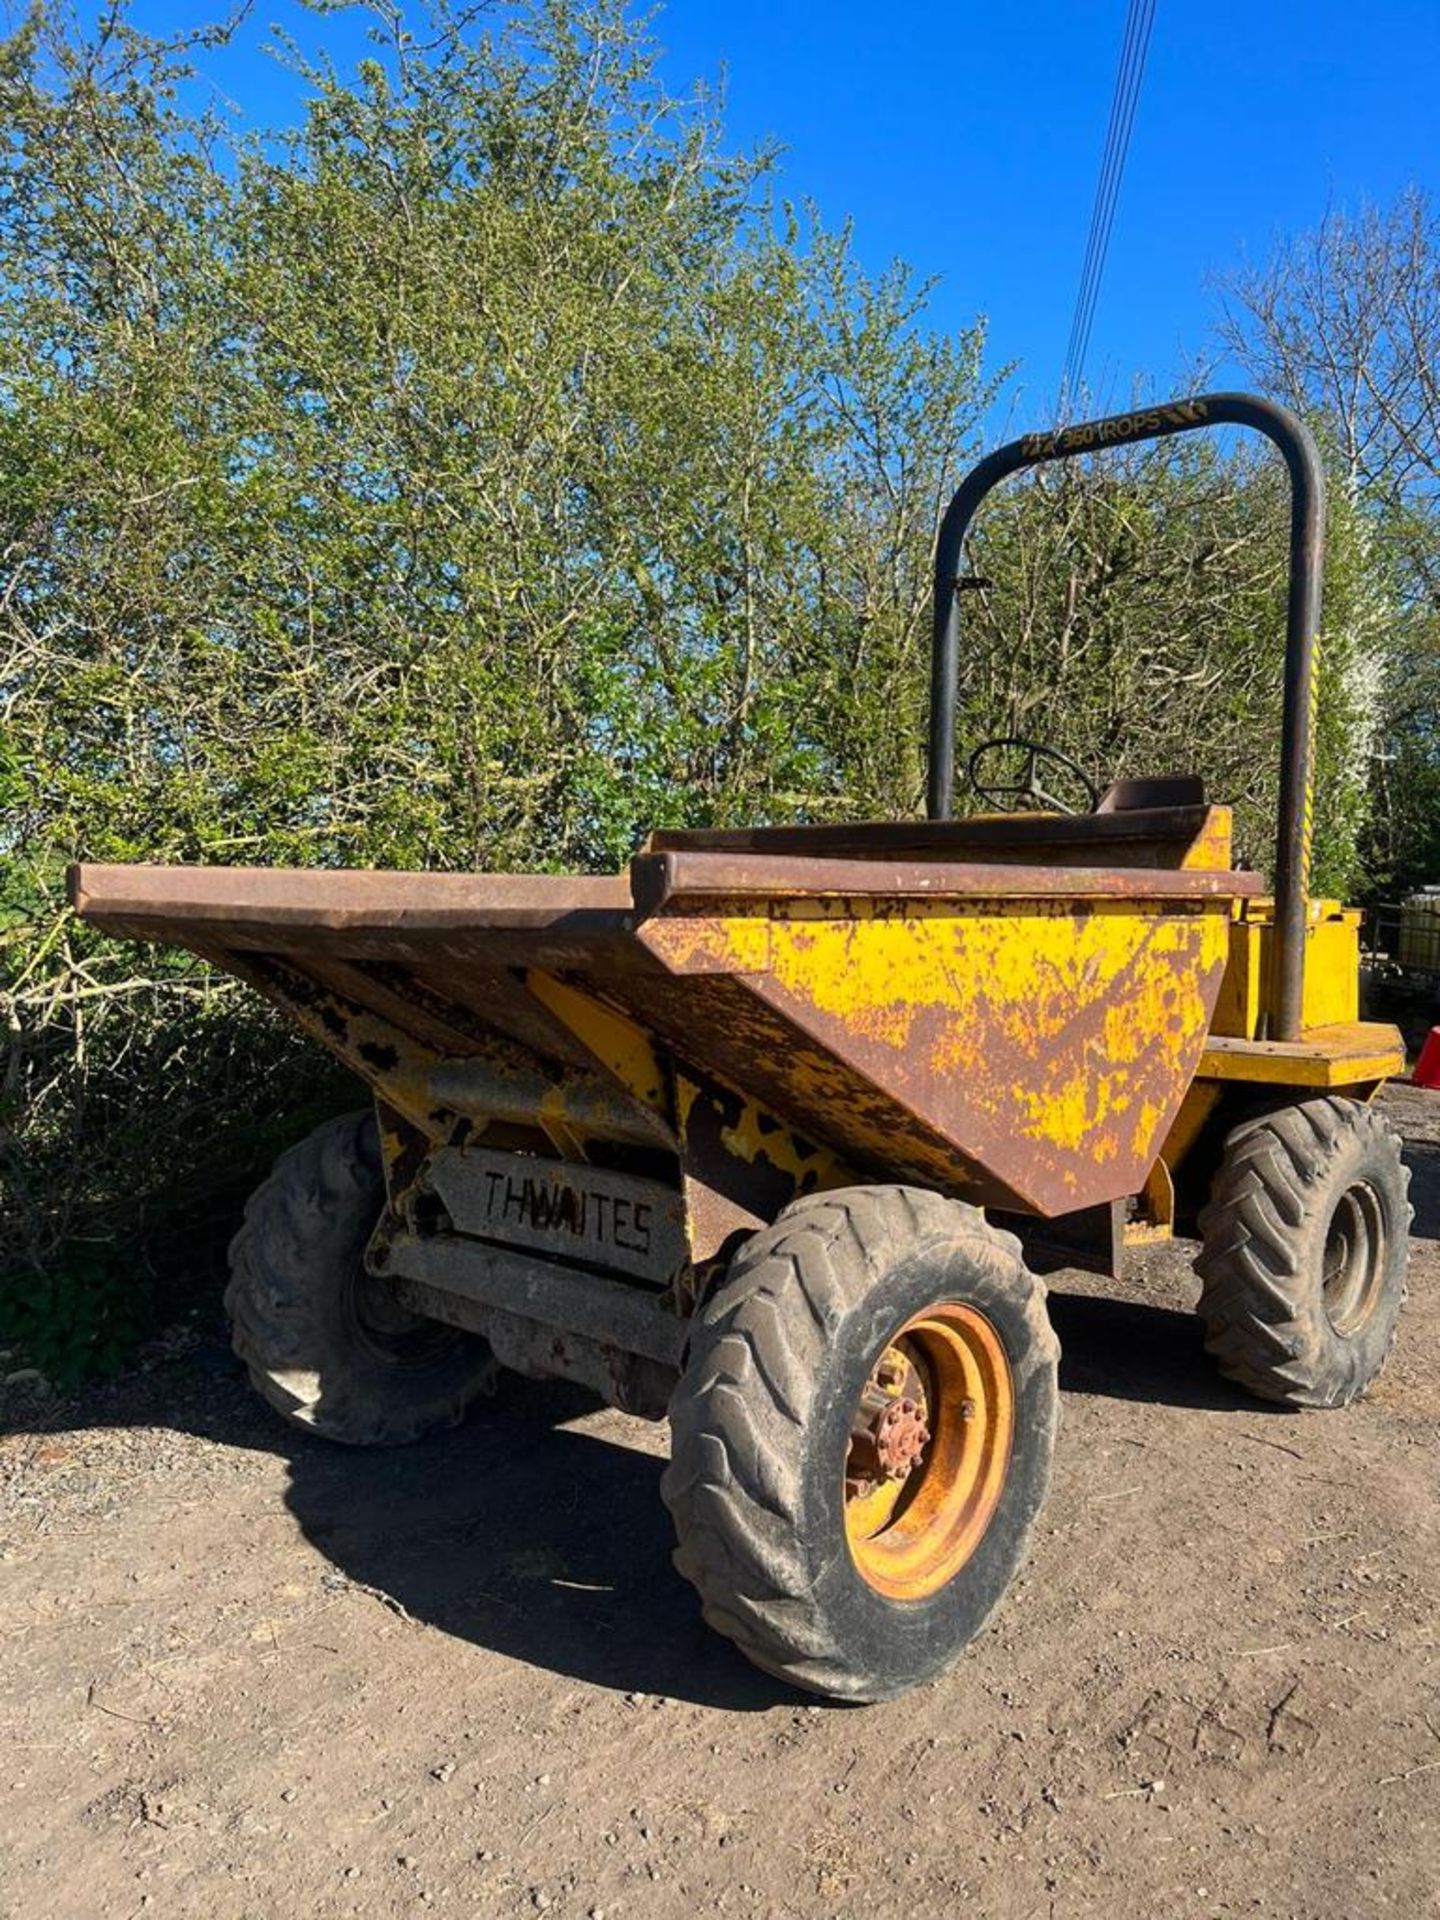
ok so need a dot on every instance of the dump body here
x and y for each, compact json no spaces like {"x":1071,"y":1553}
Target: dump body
{"x":1023,"y":1034}
{"x":1012,"y":1010}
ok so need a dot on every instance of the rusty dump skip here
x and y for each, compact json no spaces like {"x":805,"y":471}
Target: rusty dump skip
{"x":974,"y":1006}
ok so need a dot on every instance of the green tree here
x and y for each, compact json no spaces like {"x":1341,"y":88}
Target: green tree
{"x":1344,"y":322}
{"x":473,"y":475}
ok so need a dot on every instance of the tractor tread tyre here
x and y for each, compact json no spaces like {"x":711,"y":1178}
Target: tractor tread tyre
{"x":1262,"y":1260}
{"x":294,"y":1268}
{"x":755,"y":1485}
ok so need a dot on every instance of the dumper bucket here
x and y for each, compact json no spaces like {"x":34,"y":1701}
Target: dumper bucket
{"x":1020,"y":1034}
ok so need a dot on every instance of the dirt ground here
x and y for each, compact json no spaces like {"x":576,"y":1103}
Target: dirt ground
{"x":248,"y":1676}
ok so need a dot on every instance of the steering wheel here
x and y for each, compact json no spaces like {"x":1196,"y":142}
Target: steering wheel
{"x":1024,"y":792}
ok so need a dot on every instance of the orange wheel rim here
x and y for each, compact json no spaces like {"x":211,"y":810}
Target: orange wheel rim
{"x":929,"y":1451}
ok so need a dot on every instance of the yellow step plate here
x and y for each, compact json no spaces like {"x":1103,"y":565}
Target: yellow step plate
{"x":1348,"y":1055}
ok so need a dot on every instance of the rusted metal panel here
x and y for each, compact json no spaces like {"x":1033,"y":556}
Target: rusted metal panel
{"x":1019,"y":1034}
{"x":607,"y":1038}
{"x":410,"y":920}
{"x":575,"y":1103}
{"x":562,"y":1298}
{"x":495,"y":1079}
{"x":392,"y":993}
{"x":608,"y":1220}
{"x":668,"y":881}
{"x":505,"y":1003}
{"x":741,"y":1163}
{"x":1045,"y":1047}
{"x":630,"y":1381}
{"x":326,"y":898}
{"x":720,"y":1030}
{"x":1162,"y":836}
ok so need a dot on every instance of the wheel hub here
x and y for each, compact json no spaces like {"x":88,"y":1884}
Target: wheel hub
{"x":901,"y":1436}
{"x":891,"y":1428}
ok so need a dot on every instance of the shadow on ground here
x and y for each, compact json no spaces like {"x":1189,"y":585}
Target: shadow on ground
{"x":1132,"y":1350}
{"x":549,"y":1543}
{"x":545,"y":1540}
{"x":541,"y":1541}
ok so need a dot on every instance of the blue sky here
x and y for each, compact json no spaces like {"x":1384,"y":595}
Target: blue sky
{"x":966,"y":139}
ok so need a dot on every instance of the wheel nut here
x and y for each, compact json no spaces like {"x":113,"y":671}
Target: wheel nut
{"x":901,"y":1436}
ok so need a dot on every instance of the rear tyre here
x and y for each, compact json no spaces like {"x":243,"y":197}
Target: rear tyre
{"x":862,"y":1437}
{"x":323,"y":1341}
{"x":1304,"y":1243}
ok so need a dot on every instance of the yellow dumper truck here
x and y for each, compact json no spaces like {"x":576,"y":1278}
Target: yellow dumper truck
{"x":771,"y":1133}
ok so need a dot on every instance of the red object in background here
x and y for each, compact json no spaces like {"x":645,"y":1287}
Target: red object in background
{"x":1427,"y":1067}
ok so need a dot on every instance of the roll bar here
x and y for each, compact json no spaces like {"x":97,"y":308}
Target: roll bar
{"x":1302,"y":622}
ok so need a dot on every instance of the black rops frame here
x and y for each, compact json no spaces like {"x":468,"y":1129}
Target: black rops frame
{"x":1307,"y":548}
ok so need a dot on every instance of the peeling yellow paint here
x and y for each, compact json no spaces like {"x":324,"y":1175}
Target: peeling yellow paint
{"x":1084,"y":1009}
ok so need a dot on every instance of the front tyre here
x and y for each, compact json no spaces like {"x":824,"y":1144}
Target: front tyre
{"x":861,"y":1440}
{"x":323,"y":1341}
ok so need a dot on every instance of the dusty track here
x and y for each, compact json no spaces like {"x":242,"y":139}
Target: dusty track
{"x":249,"y":1676}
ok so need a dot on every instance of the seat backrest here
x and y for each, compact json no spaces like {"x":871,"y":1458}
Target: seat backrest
{"x":1177,"y":790}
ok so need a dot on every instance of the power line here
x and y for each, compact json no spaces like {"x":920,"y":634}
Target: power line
{"x":1130,"y":72}
{"x":1132,"y":99}
{"x":1103,"y":185}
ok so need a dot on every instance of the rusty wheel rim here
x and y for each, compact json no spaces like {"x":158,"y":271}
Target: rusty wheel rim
{"x":1354,"y":1259}
{"x":929,"y":1450}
